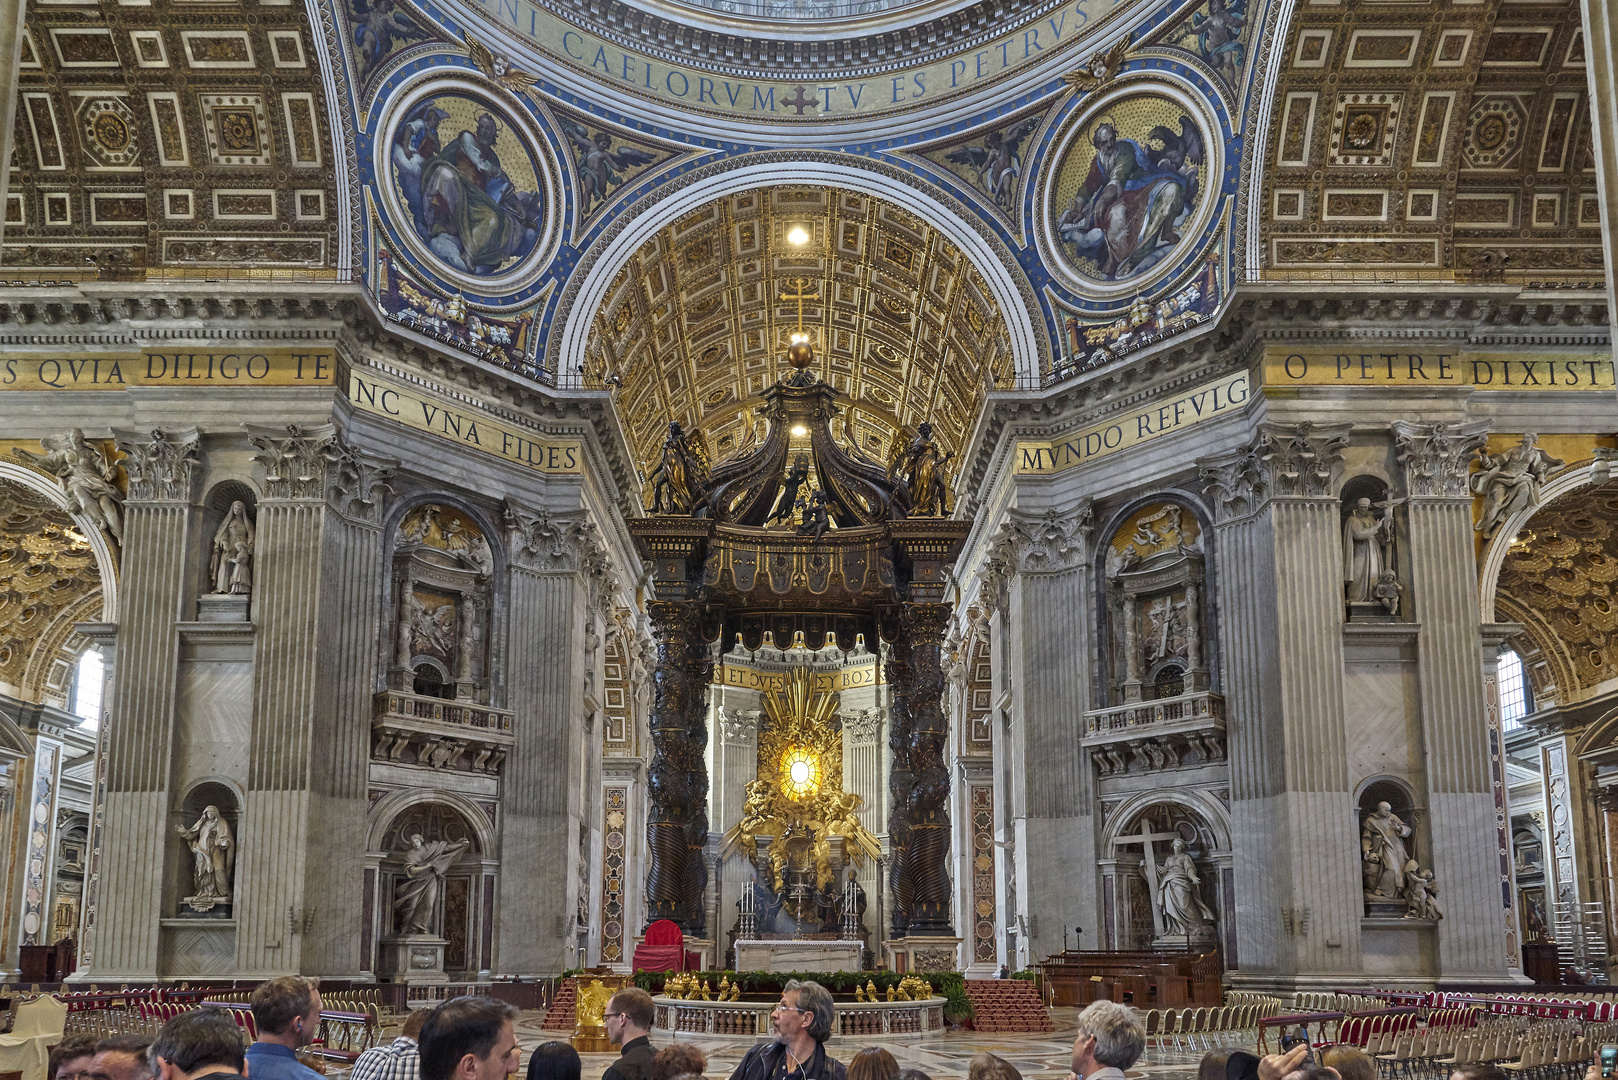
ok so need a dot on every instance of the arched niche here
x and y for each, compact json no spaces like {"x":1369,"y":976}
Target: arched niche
{"x":442,"y":583}
{"x":462,"y":909}
{"x":1370,"y":538}
{"x":1154,"y":579}
{"x":203,"y":871}
{"x":1147,"y":827}
{"x":1369,"y":796}
{"x":216,"y":553}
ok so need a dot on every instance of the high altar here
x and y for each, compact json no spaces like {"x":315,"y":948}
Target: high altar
{"x":834,"y":624}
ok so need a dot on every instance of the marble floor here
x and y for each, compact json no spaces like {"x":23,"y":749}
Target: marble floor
{"x":1044,"y":1056}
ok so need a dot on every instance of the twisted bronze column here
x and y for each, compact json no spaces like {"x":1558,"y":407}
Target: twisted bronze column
{"x":926,"y":853}
{"x":669,"y":779}
{"x":699,"y":672}
{"x":899,"y":782}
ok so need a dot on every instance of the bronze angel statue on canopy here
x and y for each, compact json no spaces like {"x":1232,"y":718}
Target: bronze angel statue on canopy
{"x":679,"y":482}
{"x":919,"y":467}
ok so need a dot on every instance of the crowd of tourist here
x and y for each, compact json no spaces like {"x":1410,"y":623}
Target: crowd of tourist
{"x":474,"y":1038}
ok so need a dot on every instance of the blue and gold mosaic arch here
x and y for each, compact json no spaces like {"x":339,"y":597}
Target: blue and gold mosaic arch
{"x":503,"y":146}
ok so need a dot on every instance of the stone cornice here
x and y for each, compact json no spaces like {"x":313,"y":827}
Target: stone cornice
{"x":1265,"y":314}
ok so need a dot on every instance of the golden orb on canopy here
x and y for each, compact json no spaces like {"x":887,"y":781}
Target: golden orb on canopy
{"x":800,"y":354}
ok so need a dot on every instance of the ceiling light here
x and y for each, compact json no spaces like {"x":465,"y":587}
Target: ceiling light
{"x":799,"y":339}
{"x":799,"y":430}
{"x":797,"y":236}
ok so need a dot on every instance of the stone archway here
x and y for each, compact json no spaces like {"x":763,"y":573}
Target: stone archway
{"x":1151,"y":825}
{"x":461,"y":910}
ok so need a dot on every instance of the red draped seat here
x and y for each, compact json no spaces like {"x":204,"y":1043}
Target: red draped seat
{"x":664,"y":949}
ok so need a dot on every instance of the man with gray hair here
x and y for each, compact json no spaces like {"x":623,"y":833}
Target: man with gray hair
{"x":803,"y":1022}
{"x":1110,"y":1039}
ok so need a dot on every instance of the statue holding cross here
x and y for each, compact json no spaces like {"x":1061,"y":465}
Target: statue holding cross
{"x":1178,"y":913}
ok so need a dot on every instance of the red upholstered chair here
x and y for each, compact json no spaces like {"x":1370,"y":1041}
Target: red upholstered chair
{"x":663,"y":949}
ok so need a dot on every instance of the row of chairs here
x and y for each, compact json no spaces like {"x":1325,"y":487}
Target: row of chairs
{"x":1203,"y":1028}
{"x":1335,"y":1002}
{"x":1374,"y":1030}
{"x":1247,"y":997}
{"x":1427,"y":1053}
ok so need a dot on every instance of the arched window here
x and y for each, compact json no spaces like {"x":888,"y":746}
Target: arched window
{"x":1514,"y":704}
{"x":87,"y":679}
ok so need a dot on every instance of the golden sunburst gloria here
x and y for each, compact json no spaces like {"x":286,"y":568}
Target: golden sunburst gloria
{"x":800,"y":772}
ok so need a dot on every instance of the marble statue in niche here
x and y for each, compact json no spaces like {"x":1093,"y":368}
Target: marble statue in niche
{"x":1371,"y":587}
{"x":1179,"y":897}
{"x":86,"y":477}
{"x":415,"y":898}
{"x":230,"y":564}
{"x":1383,"y":855}
{"x":1510,"y":482}
{"x":1367,"y":540}
{"x":213,"y":853}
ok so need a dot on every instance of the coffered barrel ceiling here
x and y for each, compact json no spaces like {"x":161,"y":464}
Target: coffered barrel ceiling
{"x":171,"y":137}
{"x":1560,"y":580}
{"x":698,"y":322}
{"x":1433,"y":140}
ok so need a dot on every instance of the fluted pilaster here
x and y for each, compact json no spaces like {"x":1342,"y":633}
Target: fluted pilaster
{"x":274,"y":860}
{"x":1295,"y":834}
{"x":350,"y":615}
{"x":140,"y":733}
{"x":1467,"y":863}
{"x":1050,"y":615}
{"x":545,"y":684}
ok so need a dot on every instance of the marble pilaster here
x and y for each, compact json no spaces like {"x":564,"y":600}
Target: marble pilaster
{"x":158,"y":523}
{"x":1050,"y":799}
{"x":351,"y":561}
{"x":541,"y":805}
{"x":1295,"y":831}
{"x":1472,"y":937}
{"x":275,"y":842}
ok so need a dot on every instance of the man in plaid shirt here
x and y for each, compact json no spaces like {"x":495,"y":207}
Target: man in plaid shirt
{"x":400,"y":1059}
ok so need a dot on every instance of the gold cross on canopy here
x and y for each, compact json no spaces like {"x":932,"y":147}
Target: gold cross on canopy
{"x":800,"y":296}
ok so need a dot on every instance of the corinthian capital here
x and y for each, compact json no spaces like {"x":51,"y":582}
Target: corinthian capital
{"x":294,"y":458}
{"x":1296,"y":461}
{"x":539,"y":540}
{"x":1054,"y":540}
{"x":1437,"y":456}
{"x":159,"y":463}
{"x":1300,"y":461}
{"x":359,"y":482}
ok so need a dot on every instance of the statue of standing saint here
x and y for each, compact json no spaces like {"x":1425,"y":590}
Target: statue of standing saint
{"x":1184,"y":913}
{"x":213,"y":850}
{"x":1366,"y":540}
{"x":417,"y":895}
{"x":231,"y":562}
{"x":1383,"y":854}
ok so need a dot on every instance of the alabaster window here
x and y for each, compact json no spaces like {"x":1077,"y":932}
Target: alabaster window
{"x":1513,"y":691}
{"x":87,"y":680}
